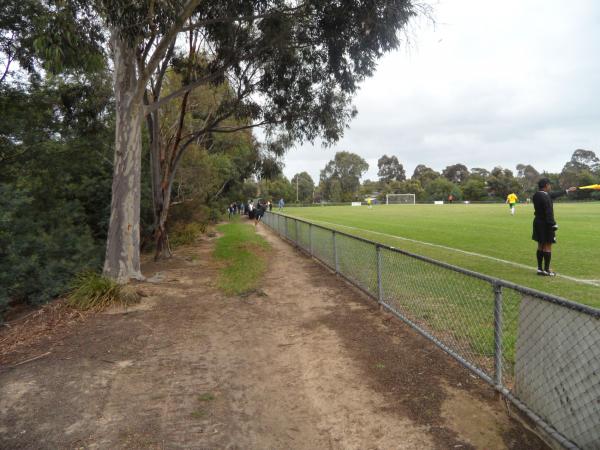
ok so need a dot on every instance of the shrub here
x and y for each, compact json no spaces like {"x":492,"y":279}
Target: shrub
{"x":41,"y":249}
{"x":186,"y":234}
{"x":91,"y":290}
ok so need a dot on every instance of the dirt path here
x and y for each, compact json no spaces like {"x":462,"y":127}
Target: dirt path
{"x":305,"y":363}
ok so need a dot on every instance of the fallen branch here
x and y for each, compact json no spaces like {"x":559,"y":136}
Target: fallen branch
{"x":28,"y":360}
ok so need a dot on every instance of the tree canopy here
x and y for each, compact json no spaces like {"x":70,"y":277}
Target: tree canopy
{"x":390,"y":169}
{"x":340,"y":179}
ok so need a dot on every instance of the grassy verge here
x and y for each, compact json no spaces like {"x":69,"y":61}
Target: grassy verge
{"x":244,"y":253}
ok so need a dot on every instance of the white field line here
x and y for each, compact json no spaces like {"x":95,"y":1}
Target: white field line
{"x":465,"y":252}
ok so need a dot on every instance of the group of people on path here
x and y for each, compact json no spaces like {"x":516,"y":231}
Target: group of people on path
{"x":255,"y":210}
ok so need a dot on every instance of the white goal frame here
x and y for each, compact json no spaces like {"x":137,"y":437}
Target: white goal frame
{"x":400,"y":199}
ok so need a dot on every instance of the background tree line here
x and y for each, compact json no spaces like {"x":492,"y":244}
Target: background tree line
{"x":340,"y":180}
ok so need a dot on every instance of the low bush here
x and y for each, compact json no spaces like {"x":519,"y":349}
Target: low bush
{"x":186,"y":234}
{"x":92,"y":291}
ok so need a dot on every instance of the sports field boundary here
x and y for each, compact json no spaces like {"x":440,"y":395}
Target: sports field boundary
{"x":595,"y":283}
{"x":540,"y":351}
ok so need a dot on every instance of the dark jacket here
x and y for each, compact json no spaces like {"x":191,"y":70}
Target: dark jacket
{"x":544,"y":207}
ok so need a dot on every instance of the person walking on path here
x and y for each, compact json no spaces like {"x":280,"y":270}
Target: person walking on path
{"x":259,"y":213}
{"x":544,"y":225}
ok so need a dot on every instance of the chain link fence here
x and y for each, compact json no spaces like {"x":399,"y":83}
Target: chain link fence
{"x":540,"y":351}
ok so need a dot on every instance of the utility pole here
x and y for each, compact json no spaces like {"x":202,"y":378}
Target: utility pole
{"x":297,"y":188}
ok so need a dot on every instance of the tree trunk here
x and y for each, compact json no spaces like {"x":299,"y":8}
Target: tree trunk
{"x":122,"y":261}
{"x":161,"y":237}
{"x":168,"y":169}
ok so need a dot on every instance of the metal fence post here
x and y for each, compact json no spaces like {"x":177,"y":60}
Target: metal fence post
{"x":286,"y":228}
{"x":310,"y":239}
{"x":379,"y":282}
{"x":335,"y":255}
{"x":497,"y":334}
{"x":296,"y":231}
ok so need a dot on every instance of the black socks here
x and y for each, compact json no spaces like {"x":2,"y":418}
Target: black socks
{"x":547,"y":258}
{"x":540,"y":257}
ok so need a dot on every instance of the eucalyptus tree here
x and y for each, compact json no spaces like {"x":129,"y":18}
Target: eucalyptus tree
{"x":295,"y":66}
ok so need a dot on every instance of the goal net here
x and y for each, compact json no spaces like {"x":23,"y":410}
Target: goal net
{"x":400,"y":199}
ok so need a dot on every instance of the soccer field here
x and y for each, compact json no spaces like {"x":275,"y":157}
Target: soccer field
{"x":482,"y":238}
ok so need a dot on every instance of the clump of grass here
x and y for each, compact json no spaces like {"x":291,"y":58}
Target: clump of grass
{"x":198,"y":414}
{"x":92,"y":291}
{"x":206,"y":397}
{"x":187,"y":234}
{"x":244,"y":254}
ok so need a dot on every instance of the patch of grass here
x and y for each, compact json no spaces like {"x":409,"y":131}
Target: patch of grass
{"x":92,"y":291}
{"x":380,"y":365}
{"x":198,"y":414}
{"x":207,"y":397}
{"x":458,"y":234}
{"x":244,"y":253}
{"x":186,"y":234}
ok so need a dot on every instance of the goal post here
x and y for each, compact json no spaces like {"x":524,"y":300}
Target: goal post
{"x":400,"y":199}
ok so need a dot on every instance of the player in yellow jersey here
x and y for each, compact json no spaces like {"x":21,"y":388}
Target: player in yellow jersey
{"x":511,"y":199}
{"x":369,"y":202}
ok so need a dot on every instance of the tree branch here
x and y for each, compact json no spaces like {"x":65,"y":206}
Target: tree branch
{"x":9,"y":60}
{"x":205,"y":22}
{"x":179,"y":92}
{"x":234,"y":129}
{"x":167,"y":39}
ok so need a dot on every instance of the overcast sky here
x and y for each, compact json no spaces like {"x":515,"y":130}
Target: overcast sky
{"x":492,"y":83}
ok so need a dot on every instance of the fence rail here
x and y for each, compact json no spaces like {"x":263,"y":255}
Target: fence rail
{"x":540,"y":351}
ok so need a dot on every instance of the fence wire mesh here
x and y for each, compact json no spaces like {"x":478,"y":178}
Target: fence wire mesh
{"x":540,"y":351}
{"x":452,"y":307}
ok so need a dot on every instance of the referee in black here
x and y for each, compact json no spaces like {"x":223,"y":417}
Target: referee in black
{"x":544,"y":225}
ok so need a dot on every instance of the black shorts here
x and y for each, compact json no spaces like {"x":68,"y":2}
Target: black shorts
{"x":543,"y":233}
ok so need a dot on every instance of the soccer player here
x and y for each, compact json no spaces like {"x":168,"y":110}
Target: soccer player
{"x":511,"y":199}
{"x":369,"y":203}
{"x":544,"y":225}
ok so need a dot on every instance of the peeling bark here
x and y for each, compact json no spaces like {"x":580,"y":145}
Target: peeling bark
{"x":122,"y":261}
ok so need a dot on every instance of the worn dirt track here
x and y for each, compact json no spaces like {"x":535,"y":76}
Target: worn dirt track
{"x":305,"y":362}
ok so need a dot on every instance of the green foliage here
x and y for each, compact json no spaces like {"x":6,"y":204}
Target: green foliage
{"x":456,"y":173}
{"x":186,"y":234}
{"x":41,"y":248}
{"x":441,"y":188}
{"x":277,"y":188}
{"x":305,"y":187}
{"x":474,"y":190}
{"x":340,"y":179}
{"x":424,"y":175}
{"x":244,"y":253}
{"x":56,"y":183}
{"x":390,"y":169}
{"x":51,"y":35}
{"x":403,"y":187}
{"x":92,"y":291}
{"x":502,"y":182}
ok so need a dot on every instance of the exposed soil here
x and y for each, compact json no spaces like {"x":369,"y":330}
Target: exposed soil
{"x":305,"y":362}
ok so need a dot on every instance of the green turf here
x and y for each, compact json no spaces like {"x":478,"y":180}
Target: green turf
{"x":456,"y":308}
{"x":484,"y":229}
{"x":243,"y":252}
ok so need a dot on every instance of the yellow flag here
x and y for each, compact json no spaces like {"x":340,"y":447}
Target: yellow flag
{"x":595,"y":187}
